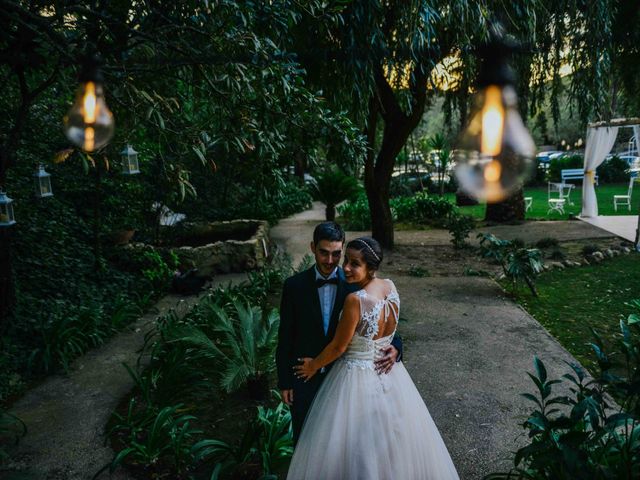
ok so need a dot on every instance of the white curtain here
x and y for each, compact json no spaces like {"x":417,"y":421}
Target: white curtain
{"x":599,"y":143}
{"x":636,"y":133}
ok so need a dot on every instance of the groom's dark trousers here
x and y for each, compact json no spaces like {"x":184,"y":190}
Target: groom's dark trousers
{"x":301,"y":334}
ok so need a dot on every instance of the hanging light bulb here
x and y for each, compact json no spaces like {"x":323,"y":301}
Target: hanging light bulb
{"x":89,"y":123}
{"x":495,"y":153}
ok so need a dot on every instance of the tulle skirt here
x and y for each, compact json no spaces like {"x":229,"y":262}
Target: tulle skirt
{"x":365,"y":426}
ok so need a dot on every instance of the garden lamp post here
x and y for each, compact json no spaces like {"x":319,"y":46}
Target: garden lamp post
{"x":89,"y":123}
{"x":43,"y":182}
{"x":130,"y":164}
{"x":495,"y":152}
{"x":6,"y":210}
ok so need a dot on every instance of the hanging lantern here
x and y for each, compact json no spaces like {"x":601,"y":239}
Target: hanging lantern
{"x":43,"y":182}
{"x":6,"y":210}
{"x":89,"y":123}
{"x":129,"y":161}
{"x":495,"y":153}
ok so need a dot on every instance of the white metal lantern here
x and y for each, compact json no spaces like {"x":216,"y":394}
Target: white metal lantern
{"x":43,"y":182}
{"x":129,"y":161}
{"x":6,"y":210}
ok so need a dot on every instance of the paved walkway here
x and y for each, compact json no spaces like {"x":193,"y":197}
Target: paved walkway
{"x":467,"y":347}
{"x":66,"y":414}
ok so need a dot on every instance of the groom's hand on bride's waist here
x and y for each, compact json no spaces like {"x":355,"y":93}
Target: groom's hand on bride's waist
{"x":385,"y":364}
{"x":287,"y":396}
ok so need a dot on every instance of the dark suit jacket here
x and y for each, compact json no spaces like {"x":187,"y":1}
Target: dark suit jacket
{"x":301,"y":334}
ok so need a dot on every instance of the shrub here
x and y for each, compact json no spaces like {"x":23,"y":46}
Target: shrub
{"x":557,"y":255}
{"x":558,"y":164}
{"x":518,"y":264}
{"x":584,"y":434}
{"x":539,"y":178}
{"x":432,"y":209}
{"x":355,"y":214}
{"x":613,"y":170}
{"x":460,"y":227}
{"x":417,"y":271}
{"x":403,"y":208}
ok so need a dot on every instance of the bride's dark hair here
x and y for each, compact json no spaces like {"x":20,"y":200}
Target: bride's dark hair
{"x":370,"y":250}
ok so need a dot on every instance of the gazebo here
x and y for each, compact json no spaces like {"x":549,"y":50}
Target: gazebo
{"x":601,"y":136}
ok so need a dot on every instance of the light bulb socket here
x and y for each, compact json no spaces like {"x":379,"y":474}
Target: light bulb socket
{"x":494,"y":58}
{"x":91,"y":69}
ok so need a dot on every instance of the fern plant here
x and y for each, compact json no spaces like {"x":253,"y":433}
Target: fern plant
{"x":242,"y":345}
{"x":332,"y":187}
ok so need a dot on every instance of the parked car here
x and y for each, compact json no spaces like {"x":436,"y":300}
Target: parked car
{"x":547,"y":156}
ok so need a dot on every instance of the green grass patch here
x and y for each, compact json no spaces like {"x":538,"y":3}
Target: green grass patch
{"x":539,"y":208}
{"x":573,"y":300}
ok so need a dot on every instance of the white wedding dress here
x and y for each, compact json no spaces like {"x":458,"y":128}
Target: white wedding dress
{"x":365,"y":426}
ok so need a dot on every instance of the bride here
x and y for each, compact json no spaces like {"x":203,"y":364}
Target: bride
{"x":363,"y":425}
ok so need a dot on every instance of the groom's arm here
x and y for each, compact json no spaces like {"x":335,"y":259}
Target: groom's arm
{"x":285,"y":339}
{"x":391,"y":355}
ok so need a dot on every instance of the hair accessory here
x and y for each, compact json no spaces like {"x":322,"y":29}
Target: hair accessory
{"x":369,"y":247}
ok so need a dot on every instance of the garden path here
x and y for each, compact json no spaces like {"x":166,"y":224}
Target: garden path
{"x":66,"y":414}
{"x":467,"y":346}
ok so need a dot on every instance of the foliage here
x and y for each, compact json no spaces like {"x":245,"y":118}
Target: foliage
{"x":355,"y":215}
{"x":556,"y":166}
{"x":518,"y":264}
{"x":242,"y":345}
{"x":432,"y":209}
{"x":332,"y":187}
{"x":460,"y":226}
{"x":417,"y":271}
{"x":590,"y":249}
{"x":539,"y":178}
{"x":593,"y":437}
{"x":10,"y":427}
{"x":613,"y":170}
{"x":267,"y":442}
{"x":159,"y":272}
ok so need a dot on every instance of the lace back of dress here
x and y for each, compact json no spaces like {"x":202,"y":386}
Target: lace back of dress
{"x":371,"y":309}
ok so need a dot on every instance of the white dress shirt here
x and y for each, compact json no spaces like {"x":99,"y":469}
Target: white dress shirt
{"x":327,"y":295}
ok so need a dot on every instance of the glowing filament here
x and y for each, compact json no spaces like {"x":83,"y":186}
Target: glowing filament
{"x":492,"y":171}
{"x":89,"y":103}
{"x":492,"y":122}
{"x":89,"y":139}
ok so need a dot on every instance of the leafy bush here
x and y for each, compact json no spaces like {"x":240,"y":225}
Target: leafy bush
{"x":418,"y":271}
{"x":355,"y":214}
{"x":432,"y":209}
{"x":613,"y":170}
{"x":558,"y":164}
{"x":591,"y":437}
{"x":10,"y":427}
{"x":460,"y":226}
{"x":518,"y":264}
{"x":539,"y":178}
{"x":159,"y":272}
{"x":403,"y":208}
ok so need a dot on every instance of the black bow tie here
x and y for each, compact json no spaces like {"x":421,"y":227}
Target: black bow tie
{"x":321,"y":282}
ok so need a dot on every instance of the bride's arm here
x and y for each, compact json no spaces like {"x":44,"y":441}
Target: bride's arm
{"x":337,"y":346}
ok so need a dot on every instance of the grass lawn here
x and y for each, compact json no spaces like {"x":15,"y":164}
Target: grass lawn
{"x":575,"y":299}
{"x":539,"y":208}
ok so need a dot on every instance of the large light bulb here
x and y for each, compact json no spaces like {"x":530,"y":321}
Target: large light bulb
{"x":495,"y":153}
{"x":89,"y":123}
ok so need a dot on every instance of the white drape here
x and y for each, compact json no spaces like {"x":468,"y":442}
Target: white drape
{"x":636,"y":133}
{"x":599,"y":143}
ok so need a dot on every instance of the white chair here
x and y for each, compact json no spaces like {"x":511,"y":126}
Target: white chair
{"x":624,"y":199}
{"x":556,"y":204}
{"x":528,"y":202}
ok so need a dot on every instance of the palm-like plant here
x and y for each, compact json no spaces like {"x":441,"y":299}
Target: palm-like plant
{"x":518,"y":263}
{"x":332,"y":187}
{"x":241,"y":344}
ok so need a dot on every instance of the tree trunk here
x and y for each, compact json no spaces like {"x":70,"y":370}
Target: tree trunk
{"x":397,"y":128}
{"x":509,"y":210}
{"x":330,"y":212}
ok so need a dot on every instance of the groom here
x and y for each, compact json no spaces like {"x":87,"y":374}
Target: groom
{"x":309,"y":312}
